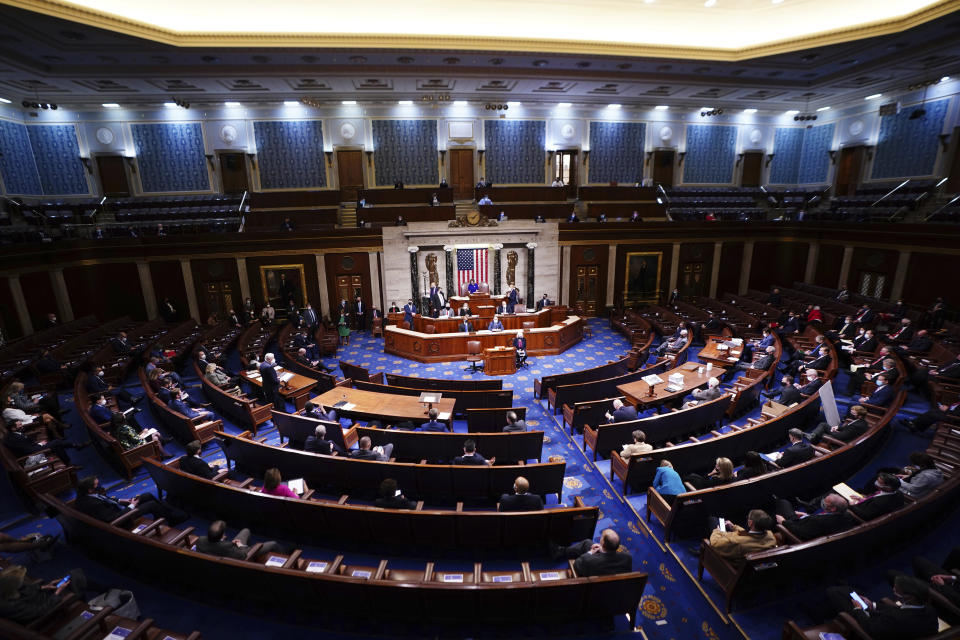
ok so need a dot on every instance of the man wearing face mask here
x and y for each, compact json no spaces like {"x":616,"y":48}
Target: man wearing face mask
{"x":811,"y":384}
{"x":102,"y":414}
{"x":97,"y":384}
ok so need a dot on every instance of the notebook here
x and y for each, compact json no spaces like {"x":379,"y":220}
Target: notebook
{"x":297,"y":486}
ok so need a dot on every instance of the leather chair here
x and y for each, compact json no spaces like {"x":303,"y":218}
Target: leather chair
{"x":430,"y":328}
{"x":377,"y":329}
{"x":527,"y":325}
{"x":484,"y":288}
{"x":474,"y":356}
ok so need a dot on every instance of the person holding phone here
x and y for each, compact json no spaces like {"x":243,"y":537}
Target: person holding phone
{"x":909,"y":617}
{"x":734,"y":542}
{"x":23,"y":600}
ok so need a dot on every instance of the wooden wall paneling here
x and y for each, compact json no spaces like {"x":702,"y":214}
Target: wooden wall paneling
{"x":780,"y":263}
{"x":925,"y":279}
{"x":828,"y":265}
{"x":339,"y":264}
{"x":167,"y":278}
{"x":309,"y":264}
{"x":875,"y":261}
{"x":731,"y":257}
{"x":38,"y":293}
{"x":212,"y":271}
{"x":693,"y":274}
{"x":105,"y":290}
{"x":9,"y":323}
{"x":594,"y":255}
{"x":665,"y":249}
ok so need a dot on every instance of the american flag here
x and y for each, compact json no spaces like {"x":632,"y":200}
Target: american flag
{"x":471,"y":263}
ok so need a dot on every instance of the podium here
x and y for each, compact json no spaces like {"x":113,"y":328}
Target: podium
{"x":499,"y":361}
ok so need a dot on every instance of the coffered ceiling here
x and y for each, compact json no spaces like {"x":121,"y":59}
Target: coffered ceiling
{"x":79,"y":66}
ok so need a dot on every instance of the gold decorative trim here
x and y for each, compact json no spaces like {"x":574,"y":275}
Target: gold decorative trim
{"x":434,"y":42}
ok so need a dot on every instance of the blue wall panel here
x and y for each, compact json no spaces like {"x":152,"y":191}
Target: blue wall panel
{"x":170,"y":157}
{"x":17,"y":165}
{"x":290,"y":154}
{"x":814,"y":164}
{"x":616,"y":151}
{"x":787,"y":147}
{"x":711,"y":151}
{"x":57,"y":156}
{"x":405,"y":150}
{"x":515,"y":151}
{"x":909,"y":147}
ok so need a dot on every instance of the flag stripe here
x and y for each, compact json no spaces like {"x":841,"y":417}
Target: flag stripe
{"x":471,"y":264}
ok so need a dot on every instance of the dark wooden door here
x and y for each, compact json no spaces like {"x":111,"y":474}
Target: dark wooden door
{"x":219,"y":297}
{"x":461,"y":173}
{"x":350,"y":172}
{"x":233,"y":172}
{"x":588,"y":287}
{"x":752,"y":174}
{"x":348,"y":288}
{"x":953,"y":181}
{"x":692,"y":282}
{"x":565,"y":167}
{"x":663,"y":160}
{"x":112,"y":172}
{"x":848,"y":171}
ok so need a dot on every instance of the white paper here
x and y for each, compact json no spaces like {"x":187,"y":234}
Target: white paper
{"x":316,"y":567}
{"x":275,"y":561}
{"x":296,"y":485}
{"x":443,"y":415}
{"x":347,"y":406}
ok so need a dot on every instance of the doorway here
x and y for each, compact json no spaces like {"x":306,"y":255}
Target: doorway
{"x":588,"y":279}
{"x":752,"y":174}
{"x":663,"y":161}
{"x":350,"y":286}
{"x":461,"y":173}
{"x":564,"y":167}
{"x":233,"y":172}
{"x":112,"y":173}
{"x":848,"y":171}
{"x":350,"y":172}
{"x":219,"y":298}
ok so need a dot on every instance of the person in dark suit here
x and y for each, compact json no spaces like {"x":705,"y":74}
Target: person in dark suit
{"x":904,"y":333}
{"x":520,"y":344}
{"x":193,"y":463}
{"x":621,"y":412}
{"x":811,"y":385}
{"x":882,"y":395}
{"x":774,"y":299}
{"x":866,"y":342}
{"x":320,"y":412}
{"x":97,"y":384}
{"x":512,"y":300}
{"x":466,"y":326}
{"x":433,"y":424}
{"x":464,"y":310}
{"x":471,"y":456}
{"x":941,"y":578}
{"x":360,"y":314}
{"x":798,"y":451}
{"x":93,"y":500}
{"x":408,"y":311}
{"x":909,"y":617}
{"x":786,"y":394}
{"x":921,"y":342}
{"x":495,"y":324}
{"x":887,"y":499}
{"x":500,"y":309}
{"x":865,"y":315}
{"x":120,"y":344}
{"x":271,"y":383}
{"x":303,"y":340}
{"x":50,"y":321}
{"x":847,"y":329}
{"x":543,"y":303}
{"x":712,"y":392}
{"x":393,"y":308}
{"x":929,"y":418}
{"x":439,"y":300}
{"x":318,"y":443}
{"x":597,"y":559}
{"x":366,"y":451}
{"x":310,"y":319}
{"x":99,"y":411}
{"x":832,"y":518}
{"x":391,"y":497}
{"x":762,"y":363}
{"x":287,"y":225}
{"x":513,"y":424}
{"x":847,"y":431}
{"x":215,"y":544}
{"x":46,"y":363}
{"x":520,"y":500}
{"x":21,"y":445}
{"x":179,"y":404}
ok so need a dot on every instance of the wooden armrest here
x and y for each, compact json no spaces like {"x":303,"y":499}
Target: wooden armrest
{"x":245,"y":483}
{"x":84,"y":629}
{"x":180,"y":537}
{"x":689,"y":486}
{"x":221,"y":475}
{"x":834,"y":441}
{"x":343,"y":499}
{"x":307,"y":494}
{"x":787,"y":535}
{"x":459,"y":507}
{"x":291,"y":561}
{"x":123,"y":518}
{"x":253,"y":552}
{"x":152,"y":527}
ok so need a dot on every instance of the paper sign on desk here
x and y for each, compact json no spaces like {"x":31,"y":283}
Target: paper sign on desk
{"x":118,"y":633}
{"x":357,"y":573}
{"x":550,"y":575}
{"x":453,"y":577}
{"x":316,"y":567}
{"x":503,"y":578}
{"x":443,"y":415}
{"x":346,"y":406}
{"x":652,"y":379}
{"x":275,"y":561}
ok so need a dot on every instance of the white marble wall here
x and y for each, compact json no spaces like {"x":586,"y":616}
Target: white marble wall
{"x":430,"y":237}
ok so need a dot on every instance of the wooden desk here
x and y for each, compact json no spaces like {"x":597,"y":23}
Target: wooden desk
{"x":638,"y":393}
{"x":296,"y":390}
{"x":711,"y":353}
{"x":390,"y":407}
{"x":449,"y":347}
{"x":500,"y":361}
{"x":513,"y":321}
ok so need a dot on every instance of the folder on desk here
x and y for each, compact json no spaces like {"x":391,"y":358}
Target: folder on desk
{"x":286,"y":377}
{"x":847,"y":492}
{"x":443,"y":415}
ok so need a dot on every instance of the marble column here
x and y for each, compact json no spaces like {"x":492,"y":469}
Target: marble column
{"x":64,"y":308}
{"x":244,"y":280}
{"x":899,"y":278}
{"x":377,"y":301}
{"x":20,"y":304}
{"x":190,"y":289}
{"x":146,"y":286}
{"x":497,"y":248}
{"x":415,"y":277}
{"x":715,"y":269}
{"x":845,"y":267}
{"x":565,"y":275}
{"x":812,"y":254}
{"x":448,"y":258}
{"x":611,"y":275}
{"x":531,"y":247}
{"x":674,"y":267}
{"x":322,"y":281}
{"x":745,"y":267}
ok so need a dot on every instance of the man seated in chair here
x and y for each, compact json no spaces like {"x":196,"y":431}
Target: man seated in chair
{"x":215,"y":544}
{"x":92,"y":499}
{"x":882,"y":395}
{"x":909,"y":617}
{"x":466,"y":326}
{"x":193,"y":463}
{"x":673,"y":344}
{"x":446,"y":311}
{"x":320,"y":412}
{"x":621,"y":412}
{"x":471,"y":456}
{"x":520,"y":500}
{"x":513,"y":424}
{"x":733,"y":543}
{"x":318,"y":443}
{"x":712,"y":392}
{"x":638,"y":447}
{"x":602,"y":558}
{"x":543,"y":303}
{"x":433,"y":424}
{"x":847,"y":431}
{"x":495,"y":324}
{"x":366,"y":450}
{"x":520,"y":344}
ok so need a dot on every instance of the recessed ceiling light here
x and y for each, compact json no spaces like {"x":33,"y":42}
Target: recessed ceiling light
{"x":823,"y":109}
{"x":170,"y":105}
{"x":944,"y":78}
{"x":4,"y":101}
{"x":291,"y":103}
{"x":613,"y":106}
{"x":776,"y":1}
{"x":460,"y":103}
{"x":873,"y":97}
{"x":649,"y":1}
{"x":750,"y":110}
{"x":348,"y":102}
{"x":514,"y":104}
{"x":792,"y":112}
{"x":110,"y":105}
{"x":405,"y":102}
{"x":231,"y":104}
{"x":564,"y":105}
{"x":662,"y":107}
{"x":709,"y":3}
{"x":706,"y":108}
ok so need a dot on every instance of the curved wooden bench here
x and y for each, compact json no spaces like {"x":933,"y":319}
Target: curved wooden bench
{"x":182,"y":428}
{"x":514,"y":447}
{"x":465,"y":400}
{"x":491,"y":420}
{"x":241,"y":410}
{"x":569,"y":394}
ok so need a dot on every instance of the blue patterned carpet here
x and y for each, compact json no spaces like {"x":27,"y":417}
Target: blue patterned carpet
{"x":675,"y":605}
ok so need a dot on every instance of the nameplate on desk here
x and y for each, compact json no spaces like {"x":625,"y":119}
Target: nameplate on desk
{"x":502,"y":578}
{"x":139,"y":528}
{"x":316,"y":567}
{"x":357,"y":573}
{"x":453,"y":577}
{"x":118,"y":633}
{"x":550,"y":575}
{"x":275,"y":561}
{"x":85,"y":615}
